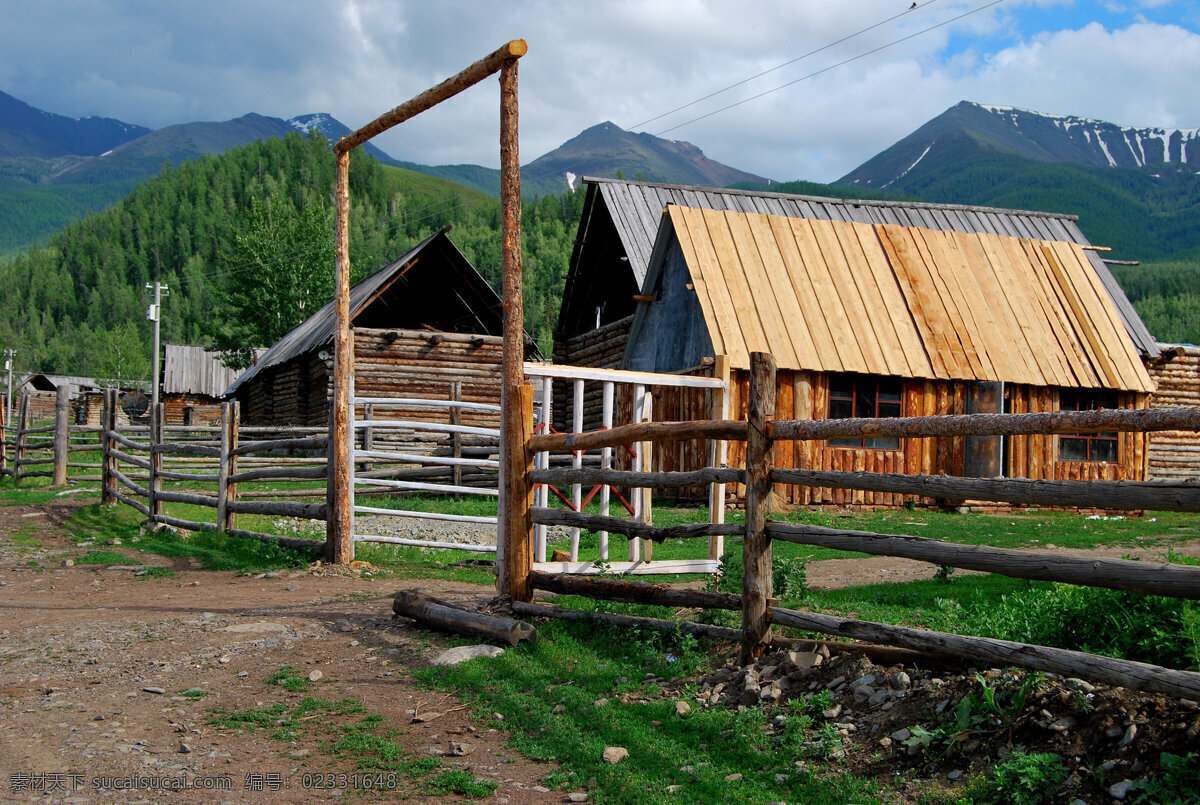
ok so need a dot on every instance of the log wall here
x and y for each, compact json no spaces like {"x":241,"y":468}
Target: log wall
{"x":1175,"y":455}
{"x":601,"y":348}
{"x":804,"y":395}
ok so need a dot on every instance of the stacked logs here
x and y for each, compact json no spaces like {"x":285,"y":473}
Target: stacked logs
{"x":1175,"y":455}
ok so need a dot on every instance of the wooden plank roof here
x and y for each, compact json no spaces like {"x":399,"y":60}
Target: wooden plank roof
{"x":891,"y":299}
{"x":195,"y":370}
{"x":635,"y":208}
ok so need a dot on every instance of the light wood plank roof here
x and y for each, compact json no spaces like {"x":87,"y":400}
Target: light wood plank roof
{"x":890,"y":299}
{"x":635,"y":208}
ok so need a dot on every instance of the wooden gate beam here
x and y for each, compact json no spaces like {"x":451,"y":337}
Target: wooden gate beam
{"x":339,"y":540}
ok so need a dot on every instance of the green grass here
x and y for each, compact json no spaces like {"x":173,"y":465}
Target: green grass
{"x":208,"y":549}
{"x":346,"y":731}
{"x":577,"y":665}
{"x":105,"y":558}
{"x":287,"y":679}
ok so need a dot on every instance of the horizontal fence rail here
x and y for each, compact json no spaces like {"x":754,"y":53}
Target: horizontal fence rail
{"x":387,"y":464}
{"x":760,"y":611}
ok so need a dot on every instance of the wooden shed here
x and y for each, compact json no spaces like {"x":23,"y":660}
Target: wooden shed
{"x":883,"y":319}
{"x":421,"y":323}
{"x":193,"y":383}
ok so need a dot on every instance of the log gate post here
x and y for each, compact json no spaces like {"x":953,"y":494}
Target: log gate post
{"x":456,"y":437}
{"x":339,"y":540}
{"x":718,"y":451}
{"x":108,"y":462}
{"x":756,"y":548}
{"x":515,"y":554}
{"x":62,"y":433}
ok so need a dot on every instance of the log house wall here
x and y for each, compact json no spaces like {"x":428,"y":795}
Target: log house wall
{"x":1175,"y":455}
{"x":804,"y":395}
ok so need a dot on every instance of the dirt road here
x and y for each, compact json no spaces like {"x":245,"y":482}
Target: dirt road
{"x":111,"y":685}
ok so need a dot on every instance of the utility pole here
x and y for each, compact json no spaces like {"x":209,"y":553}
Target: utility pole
{"x":154,"y":313}
{"x":8,"y":367}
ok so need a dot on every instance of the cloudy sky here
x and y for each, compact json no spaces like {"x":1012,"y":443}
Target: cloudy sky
{"x":156,"y":63}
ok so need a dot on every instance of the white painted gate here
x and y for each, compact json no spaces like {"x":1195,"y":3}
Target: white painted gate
{"x":640,"y":560}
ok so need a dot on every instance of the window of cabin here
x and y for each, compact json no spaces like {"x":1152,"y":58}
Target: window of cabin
{"x":864,"y":396}
{"x":1087,"y":446}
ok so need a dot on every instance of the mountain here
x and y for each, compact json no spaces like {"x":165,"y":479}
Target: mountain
{"x":56,"y":169}
{"x":1134,"y":189}
{"x":604,"y":150}
{"x":972,"y":127}
{"x":334,"y":130}
{"x":29,"y":132}
{"x":144,"y":156}
{"x":607,"y":149}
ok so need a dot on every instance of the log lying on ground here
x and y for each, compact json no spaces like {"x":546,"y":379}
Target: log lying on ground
{"x":1125,"y":673}
{"x":684,"y":627}
{"x":631,"y":592}
{"x":1151,"y":578}
{"x":434,"y":612}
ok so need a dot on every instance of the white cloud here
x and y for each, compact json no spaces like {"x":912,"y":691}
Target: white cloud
{"x":621,"y":60}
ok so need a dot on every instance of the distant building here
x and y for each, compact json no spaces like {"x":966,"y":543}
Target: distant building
{"x":421,"y":323}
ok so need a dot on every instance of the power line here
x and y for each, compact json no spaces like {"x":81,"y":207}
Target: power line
{"x":832,"y":66}
{"x":846,"y":38}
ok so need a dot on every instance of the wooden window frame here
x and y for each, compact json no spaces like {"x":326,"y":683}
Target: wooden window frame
{"x":856,"y":411}
{"x":1090,"y":400}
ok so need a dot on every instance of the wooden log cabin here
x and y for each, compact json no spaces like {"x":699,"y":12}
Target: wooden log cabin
{"x":870,"y":308}
{"x":421,"y":324}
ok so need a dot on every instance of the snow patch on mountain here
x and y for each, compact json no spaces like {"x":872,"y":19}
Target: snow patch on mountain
{"x":1120,"y":145}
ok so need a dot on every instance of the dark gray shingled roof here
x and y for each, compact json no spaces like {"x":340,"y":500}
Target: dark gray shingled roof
{"x":636,"y":210}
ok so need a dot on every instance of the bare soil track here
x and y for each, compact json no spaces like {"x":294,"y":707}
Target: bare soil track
{"x":84,"y":649}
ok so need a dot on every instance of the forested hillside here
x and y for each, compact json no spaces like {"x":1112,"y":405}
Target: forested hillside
{"x":256,"y":216}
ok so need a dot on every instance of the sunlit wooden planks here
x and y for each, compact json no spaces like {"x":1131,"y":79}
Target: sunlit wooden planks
{"x":886,"y":299}
{"x":751,"y":270}
{"x":705,"y":266}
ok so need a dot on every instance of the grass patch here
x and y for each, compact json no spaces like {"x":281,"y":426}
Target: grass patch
{"x":210,"y":550}
{"x":598,"y":675}
{"x":105,"y":558}
{"x":156,"y":573}
{"x":287,"y":679}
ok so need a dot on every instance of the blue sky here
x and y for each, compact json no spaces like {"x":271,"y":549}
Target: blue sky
{"x":1131,"y":62}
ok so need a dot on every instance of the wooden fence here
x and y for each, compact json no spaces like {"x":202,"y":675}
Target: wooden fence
{"x":760,"y":611}
{"x":42,"y":447}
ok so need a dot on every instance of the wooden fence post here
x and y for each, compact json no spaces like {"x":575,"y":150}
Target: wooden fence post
{"x":456,"y":438}
{"x":22,"y":424}
{"x":108,"y":462}
{"x":224,"y":518}
{"x":717,"y":456}
{"x":62,"y":433}
{"x":756,"y":549}
{"x":3,"y":442}
{"x":368,"y":437}
{"x":156,"y":464}
{"x":518,"y":547}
